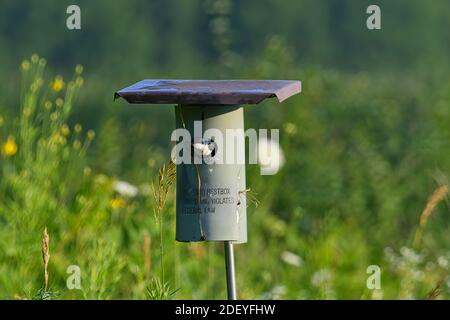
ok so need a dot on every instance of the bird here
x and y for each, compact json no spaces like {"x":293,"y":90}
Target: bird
{"x":204,"y":147}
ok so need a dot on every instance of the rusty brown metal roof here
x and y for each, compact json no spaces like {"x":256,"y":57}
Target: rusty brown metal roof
{"x":160,"y":91}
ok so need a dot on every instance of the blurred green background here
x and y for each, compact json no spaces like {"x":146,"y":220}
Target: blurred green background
{"x":365,"y":181}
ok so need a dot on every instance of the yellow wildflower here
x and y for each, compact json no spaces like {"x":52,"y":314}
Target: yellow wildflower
{"x":79,"y":69}
{"x":54,"y":116}
{"x":61,"y":139}
{"x":26,"y":65}
{"x":34,"y":58}
{"x":65,"y":130}
{"x":59,"y":102}
{"x":118,"y":203}
{"x":48,"y":105}
{"x":57,"y":84}
{"x":9,"y":148}
{"x":77,"y":144}
{"x":78,"y":128}
{"x":91,"y":135}
{"x":55,"y":137}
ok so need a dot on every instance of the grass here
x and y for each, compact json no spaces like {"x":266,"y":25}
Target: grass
{"x":438,"y":195}
{"x":361,"y":162}
{"x":159,"y":288}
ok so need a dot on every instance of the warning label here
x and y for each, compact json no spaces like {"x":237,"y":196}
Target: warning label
{"x":210,"y":198}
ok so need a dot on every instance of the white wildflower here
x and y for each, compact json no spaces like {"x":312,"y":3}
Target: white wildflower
{"x":321,"y":278}
{"x":270,"y":156}
{"x":276,"y":293}
{"x":126,"y":189}
{"x":443,"y":262}
{"x":411,"y":255}
{"x":291,"y":258}
{"x":391,"y":256}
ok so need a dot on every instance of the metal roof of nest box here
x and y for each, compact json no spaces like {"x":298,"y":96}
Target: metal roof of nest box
{"x":208,"y":92}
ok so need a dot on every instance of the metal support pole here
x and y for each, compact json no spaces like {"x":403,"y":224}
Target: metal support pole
{"x":229,"y":265}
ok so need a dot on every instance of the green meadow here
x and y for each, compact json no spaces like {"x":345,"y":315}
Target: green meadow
{"x":86,"y":184}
